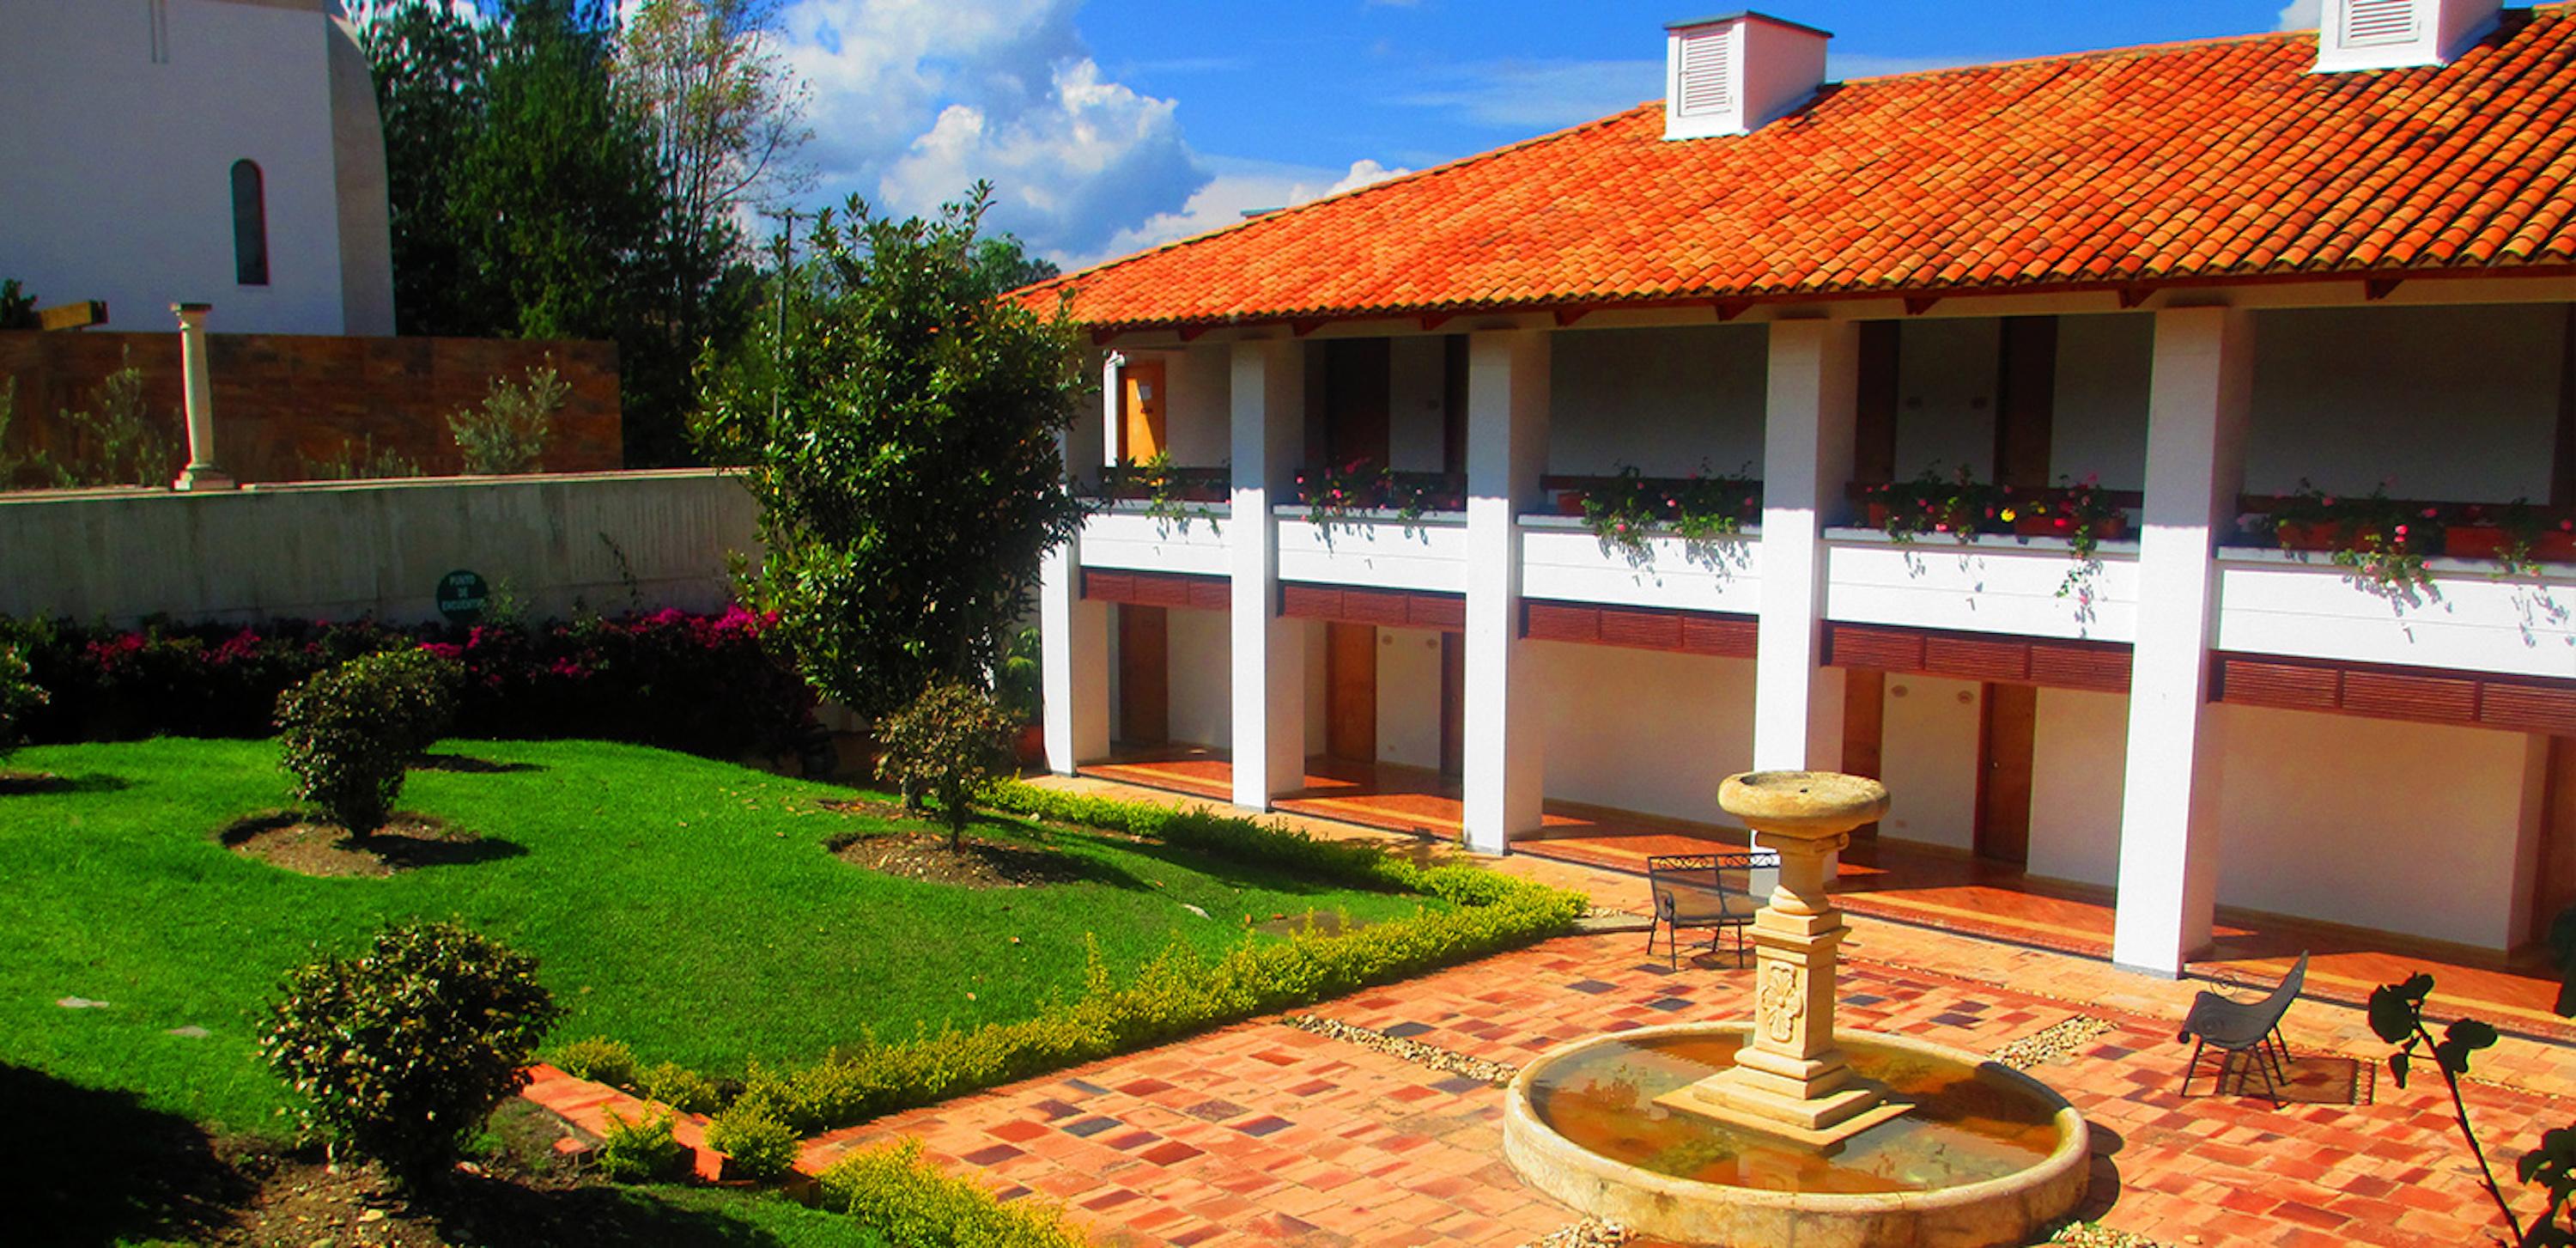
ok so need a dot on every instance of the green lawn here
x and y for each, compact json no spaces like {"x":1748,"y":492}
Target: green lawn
{"x":684,"y":906}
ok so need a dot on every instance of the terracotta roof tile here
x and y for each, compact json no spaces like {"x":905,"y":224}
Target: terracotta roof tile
{"x":2214,"y":159}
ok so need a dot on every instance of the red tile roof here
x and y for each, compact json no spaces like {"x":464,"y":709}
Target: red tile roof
{"x":2223,"y":159}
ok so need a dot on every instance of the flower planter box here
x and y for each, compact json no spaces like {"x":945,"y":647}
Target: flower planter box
{"x":2487,"y":541}
{"x":2305,"y":535}
{"x":1569,"y":502}
{"x":2110,"y":529}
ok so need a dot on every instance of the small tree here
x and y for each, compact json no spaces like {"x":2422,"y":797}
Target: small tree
{"x":508,"y":433}
{"x":350,"y":733}
{"x":404,"y":1050}
{"x":19,"y":695}
{"x":946,"y":746}
{"x":902,"y":443}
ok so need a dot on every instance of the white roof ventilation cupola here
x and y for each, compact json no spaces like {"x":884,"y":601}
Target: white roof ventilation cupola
{"x":1735,"y":73}
{"x":2398,"y":34}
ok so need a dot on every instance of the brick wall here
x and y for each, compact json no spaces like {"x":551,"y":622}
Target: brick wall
{"x":281,"y":399}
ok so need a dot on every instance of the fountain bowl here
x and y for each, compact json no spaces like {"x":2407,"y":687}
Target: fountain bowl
{"x":2011,"y":1208}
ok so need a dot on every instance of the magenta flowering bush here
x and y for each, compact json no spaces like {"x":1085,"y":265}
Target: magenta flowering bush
{"x":719,"y":685}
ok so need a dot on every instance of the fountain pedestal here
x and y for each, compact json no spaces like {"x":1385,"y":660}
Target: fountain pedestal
{"x":1790,"y":1079}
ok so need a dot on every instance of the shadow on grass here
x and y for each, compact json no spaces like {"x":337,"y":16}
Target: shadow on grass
{"x":469,"y":765}
{"x":96,"y":1167}
{"x":502,"y":1214}
{"x":33,"y":782}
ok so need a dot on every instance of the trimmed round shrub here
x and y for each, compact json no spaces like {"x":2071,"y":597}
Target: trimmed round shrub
{"x":640,"y":1152}
{"x":680,"y":1088}
{"x":404,"y":1050}
{"x":761,"y":1147}
{"x":597,"y":1058}
{"x":952,"y":741}
{"x":19,"y":696}
{"x":350,"y":733}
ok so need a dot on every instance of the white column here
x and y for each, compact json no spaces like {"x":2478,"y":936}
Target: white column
{"x":1111,"y":396}
{"x":2197,"y":406}
{"x":1808,"y":409}
{"x":201,"y":472}
{"x":1073,"y":655}
{"x":1269,"y":420}
{"x":1507,"y":410}
{"x":1074,"y":662}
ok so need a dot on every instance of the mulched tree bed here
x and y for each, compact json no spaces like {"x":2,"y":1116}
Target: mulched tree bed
{"x":294,"y":841}
{"x":977,"y":863}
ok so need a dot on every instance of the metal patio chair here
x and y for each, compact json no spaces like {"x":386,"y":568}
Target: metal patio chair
{"x":2235,"y":1027}
{"x":1711,"y":891}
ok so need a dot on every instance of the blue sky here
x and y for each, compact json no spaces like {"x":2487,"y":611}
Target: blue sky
{"x":1110,"y":125}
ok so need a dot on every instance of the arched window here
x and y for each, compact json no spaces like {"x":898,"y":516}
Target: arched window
{"x":250,"y":225}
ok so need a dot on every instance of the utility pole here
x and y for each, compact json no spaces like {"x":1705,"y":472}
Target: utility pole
{"x":786,"y":250}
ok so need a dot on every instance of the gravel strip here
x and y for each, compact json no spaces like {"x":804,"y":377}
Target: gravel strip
{"x":1414,"y":1051}
{"x":2096,"y":1235}
{"x":1588,"y":1233}
{"x":2054,"y":1043}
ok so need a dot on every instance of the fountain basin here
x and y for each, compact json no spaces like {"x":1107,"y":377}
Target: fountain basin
{"x":1987,"y":1156}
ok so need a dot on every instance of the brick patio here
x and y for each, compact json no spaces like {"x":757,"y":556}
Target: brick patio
{"x":1263,"y":1133}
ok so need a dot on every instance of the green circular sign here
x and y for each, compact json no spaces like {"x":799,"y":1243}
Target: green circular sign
{"x":460,"y":596}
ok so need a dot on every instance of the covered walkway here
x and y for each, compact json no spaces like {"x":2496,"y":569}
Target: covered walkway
{"x":1911,"y":883}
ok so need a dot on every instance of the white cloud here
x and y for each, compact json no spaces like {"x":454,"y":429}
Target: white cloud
{"x":1239,"y":187}
{"x":2302,"y":15}
{"x":913,"y":100}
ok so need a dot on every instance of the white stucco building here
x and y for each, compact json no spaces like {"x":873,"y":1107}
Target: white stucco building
{"x":2201,"y":273}
{"x":223,"y":151}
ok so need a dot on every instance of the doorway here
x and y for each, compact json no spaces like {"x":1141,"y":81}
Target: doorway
{"x":1350,"y":692}
{"x":2004,"y":747}
{"x":1144,"y":674}
{"x":1143,"y":431}
{"x":1356,"y":417}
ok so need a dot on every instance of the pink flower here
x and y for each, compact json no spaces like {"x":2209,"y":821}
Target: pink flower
{"x":443,"y":650}
{"x":2431,"y":513}
{"x":2401,"y":531}
{"x":2328,"y":500}
{"x":2567,"y":526}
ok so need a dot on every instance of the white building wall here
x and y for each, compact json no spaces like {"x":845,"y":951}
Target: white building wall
{"x":2099,"y":422}
{"x":1645,"y":730}
{"x":1200,"y":403}
{"x":2410,"y":828}
{"x":1197,"y":645}
{"x":1928,"y":760}
{"x":1408,"y":697}
{"x":1663,"y":400}
{"x":119,"y":183}
{"x":2457,"y":403}
{"x":2078,"y":754}
{"x":1945,"y":395}
{"x":1417,"y":387}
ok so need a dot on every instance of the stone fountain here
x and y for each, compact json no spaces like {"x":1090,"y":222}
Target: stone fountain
{"x":1790,"y":1078}
{"x":1784,"y":1130}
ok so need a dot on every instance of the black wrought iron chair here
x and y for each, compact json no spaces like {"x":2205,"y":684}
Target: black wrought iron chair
{"x":2239,"y":1027}
{"x":1710,"y":891}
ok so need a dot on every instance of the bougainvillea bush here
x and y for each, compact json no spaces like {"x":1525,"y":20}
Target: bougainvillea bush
{"x":716,"y":685}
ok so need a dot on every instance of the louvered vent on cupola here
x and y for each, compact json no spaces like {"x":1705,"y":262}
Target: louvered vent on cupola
{"x":1733,"y":74}
{"x":2399,"y":34}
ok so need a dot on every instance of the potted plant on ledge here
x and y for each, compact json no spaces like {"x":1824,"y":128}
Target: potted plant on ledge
{"x":1632,"y":506}
{"x":2382,"y":541}
{"x":2513,"y":534}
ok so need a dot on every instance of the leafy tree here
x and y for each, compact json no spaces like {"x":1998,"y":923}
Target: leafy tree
{"x":535,"y":195}
{"x":945,"y":747}
{"x":1002,"y":264}
{"x":902,"y":442}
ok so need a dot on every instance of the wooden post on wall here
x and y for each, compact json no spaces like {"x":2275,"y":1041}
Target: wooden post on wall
{"x":1874,"y":412}
{"x":2025,"y":401}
